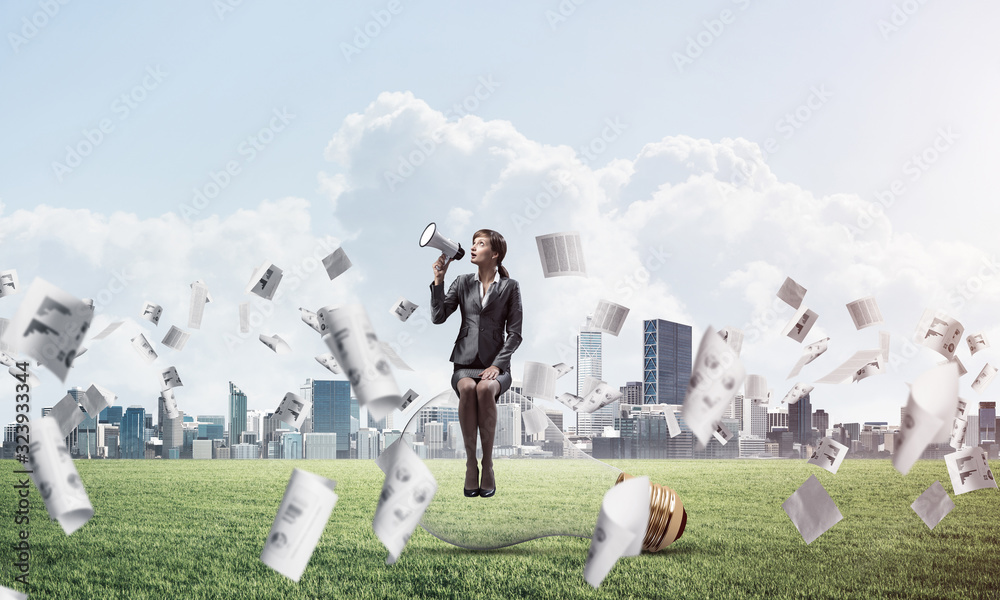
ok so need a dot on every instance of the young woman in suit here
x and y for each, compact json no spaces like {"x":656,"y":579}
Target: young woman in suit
{"x":490,"y":302}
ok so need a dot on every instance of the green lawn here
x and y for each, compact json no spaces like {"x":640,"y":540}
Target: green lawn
{"x":195,"y":529}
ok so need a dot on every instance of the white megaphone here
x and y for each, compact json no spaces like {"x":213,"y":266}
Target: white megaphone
{"x":431,"y":237}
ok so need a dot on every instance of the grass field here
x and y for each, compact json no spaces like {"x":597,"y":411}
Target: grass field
{"x":195,"y":529}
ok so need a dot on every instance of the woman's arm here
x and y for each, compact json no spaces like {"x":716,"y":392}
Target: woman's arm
{"x":514,"y":316}
{"x":442,"y":305}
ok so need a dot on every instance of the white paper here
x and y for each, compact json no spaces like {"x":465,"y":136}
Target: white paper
{"x":984,"y":378}
{"x":800,"y":325}
{"x":561,"y":369}
{"x":755,"y":388}
{"x":408,"y":488}
{"x":244,"y":317}
{"x":402,"y":308}
{"x":798,"y":392}
{"x":328,"y":361}
{"x":791,"y":293}
{"x":264,"y":281}
{"x":352,"y":340}
{"x":539,"y":380}
{"x":561,"y":254}
{"x":961,"y":368}
{"x":812,"y":510}
{"x":673,"y":427}
{"x":394,"y":358}
{"x":958,"y":429}
{"x":598,"y":396}
{"x":199,"y":297}
{"x":169,"y":404}
{"x":969,"y":470}
{"x":67,"y":414}
{"x":107,"y":331}
{"x":408,"y":399}
{"x":716,"y":376}
{"x":9,"y":284}
{"x":829,"y":455}
{"x":302,"y":516}
{"x":849,"y":369}
{"x":336,"y":263}
{"x":151,"y":312}
{"x":175,"y":338}
{"x":535,"y":420}
{"x":977,"y":342}
{"x":939,"y":332}
{"x":49,"y":326}
{"x":621,"y":527}
{"x":872,"y":367}
{"x":275,"y":343}
{"x":722,"y":433}
{"x":56,"y":477}
{"x":609,"y":317}
{"x":293,"y":410}
{"x":8,"y":594}
{"x":97,"y":399}
{"x":883,"y":344}
{"x":144,"y":348}
{"x":865,"y":312}
{"x":4,"y":347}
{"x":933,"y":505}
{"x":930,"y":408}
{"x":733,"y":337}
{"x":811,"y":353}
{"x":169,"y":379}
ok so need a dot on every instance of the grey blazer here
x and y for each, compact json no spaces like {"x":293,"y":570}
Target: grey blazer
{"x":482,"y":330}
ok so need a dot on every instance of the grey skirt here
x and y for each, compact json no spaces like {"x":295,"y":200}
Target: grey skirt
{"x":504,"y":379}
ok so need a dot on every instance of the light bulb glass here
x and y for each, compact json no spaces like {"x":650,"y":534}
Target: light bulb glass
{"x":538,"y":494}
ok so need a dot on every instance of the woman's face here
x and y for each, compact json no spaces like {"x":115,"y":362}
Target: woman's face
{"x":481,"y":253}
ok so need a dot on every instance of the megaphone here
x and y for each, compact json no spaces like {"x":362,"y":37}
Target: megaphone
{"x":431,"y":237}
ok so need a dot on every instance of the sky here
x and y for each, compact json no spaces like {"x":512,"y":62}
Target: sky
{"x":703,"y":151}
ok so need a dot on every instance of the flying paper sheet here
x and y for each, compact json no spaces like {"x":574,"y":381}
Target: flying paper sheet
{"x":716,"y":376}
{"x":939,"y":332}
{"x":199,"y":297}
{"x":264,"y":280}
{"x":56,"y":477}
{"x":336,"y":263}
{"x":756,"y":388}
{"x":328,"y":361}
{"x":733,"y":337}
{"x":352,"y":340}
{"x":539,"y":380}
{"x":883,"y":344}
{"x":561,"y":369}
{"x":933,"y":505}
{"x":275,"y":343}
{"x":169,"y":379}
{"x":403,"y":308}
{"x":49,"y":326}
{"x":97,"y":399}
{"x":535,"y":421}
{"x":800,"y":325}
{"x":599,"y":396}
{"x":865,"y":312}
{"x":589,"y":383}
{"x":394,"y":357}
{"x":408,"y":398}
{"x":244,"y":317}
{"x":311,"y":319}
{"x":958,"y":430}
{"x":293,"y":410}
{"x":151,"y":312}
{"x":175,"y":338}
{"x":977,"y":342}
{"x":8,"y":283}
{"x":107,"y":331}
{"x":722,"y":433}
{"x":8,"y":594}
{"x":302,"y":516}
{"x":961,"y":368}
{"x":408,"y":488}
{"x":609,"y":317}
{"x":969,"y":470}
{"x":561,"y":254}
{"x":673,"y":427}
{"x":930,"y":408}
{"x":621,"y":526}
{"x":872,"y":367}
{"x":791,"y":293}
{"x":829,"y":455}
{"x":812,"y":510}
{"x":848,"y":371}
{"x":798,"y":392}
{"x":67,"y":414}
{"x":144,"y":348}
{"x":984,"y":378}
{"x":169,"y":404}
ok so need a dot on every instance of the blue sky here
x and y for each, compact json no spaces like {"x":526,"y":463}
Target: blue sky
{"x":847,"y":94}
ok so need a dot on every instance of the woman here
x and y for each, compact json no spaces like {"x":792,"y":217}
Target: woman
{"x":490,"y":300}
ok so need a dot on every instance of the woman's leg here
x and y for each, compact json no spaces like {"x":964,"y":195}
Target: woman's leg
{"x":486,"y":392}
{"x":468,"y":418}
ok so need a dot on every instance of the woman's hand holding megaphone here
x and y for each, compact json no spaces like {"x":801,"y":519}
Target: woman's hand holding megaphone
{"x":440,"y":268}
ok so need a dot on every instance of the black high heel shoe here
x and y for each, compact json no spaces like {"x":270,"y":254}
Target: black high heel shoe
{"x":471,"y":493}
{"x":487,"y":493}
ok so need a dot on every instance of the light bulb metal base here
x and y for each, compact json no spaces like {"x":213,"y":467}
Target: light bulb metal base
{"x":667,"y":516}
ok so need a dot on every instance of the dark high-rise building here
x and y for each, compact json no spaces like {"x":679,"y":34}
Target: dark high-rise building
{"x":237,"y":413}
{"x":821,"y":421}
{"x":800,"y":420}
{"x":111,"y":415}
{"x":987,"y":423}
{"x":332,"y":412}
{"x":631,"y":393}
{"x":666,"y":361}
{"x":131,"y":433}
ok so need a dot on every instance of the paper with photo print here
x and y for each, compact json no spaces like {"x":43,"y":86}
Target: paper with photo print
{"x":169,"y":379}
{"x":930,"y":410}
{"x":984,"y":378}
{"x":264,"y":280}
{"x":402,"y":308}
{"x":328,"y":361}
{"x":169,"y":404}
{"x":958,"y":430}
{"x":811,"y":353}
{"x":716,"y":377}
{"x":620,"y":529}
{"x":151,"y":312}
{"x":561,"y":369}
{"x":293,"y":410}
{"x":829,"y":455}
{"x":302,"y":516}
{"x":144,"y":348}
{"x":722,"y":433}
{"x":800,"y":325}
{"x":939,"y":332}
{"x":9,"y":284}
{"x":798,"y":392}
{"x":969,"y":470}
{"x":408,"y":488}
{"x":408,"y":399}
{"x":56,"y":477}
{"x":275,"y":343}
{"x":977,"y":342}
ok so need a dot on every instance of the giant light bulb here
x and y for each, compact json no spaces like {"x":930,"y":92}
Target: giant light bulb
{"x":538,"y":494}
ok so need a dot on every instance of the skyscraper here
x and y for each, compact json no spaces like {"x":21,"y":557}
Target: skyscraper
{"x":987,"y":422}
{"x":800,"y":420}
{"x":588,"y":355}
{"x":332,"y":412}
{"x":666,"y":361}
{"x":631,"y":393}
{"x":821,"y":421}
{"x":111,"y":414}
{"x":237,"y":413}
{"x":132,"y":433}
